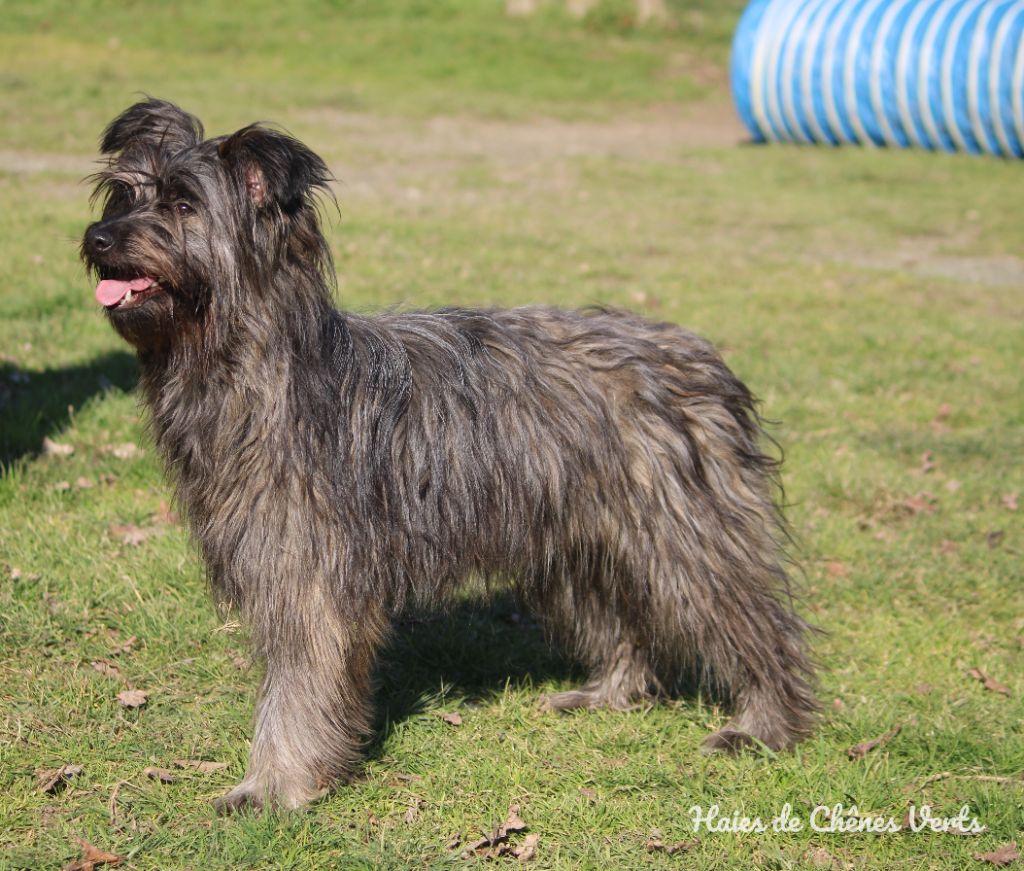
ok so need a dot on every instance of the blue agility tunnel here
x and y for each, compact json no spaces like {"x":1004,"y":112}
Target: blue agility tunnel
{"x":939,"y":74}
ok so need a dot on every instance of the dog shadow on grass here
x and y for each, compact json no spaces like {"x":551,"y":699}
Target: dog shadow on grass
{"x":35,"y":405}
{"x":469,"y":652}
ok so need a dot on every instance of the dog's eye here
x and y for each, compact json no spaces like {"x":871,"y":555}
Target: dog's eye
{"x":184,"y":209}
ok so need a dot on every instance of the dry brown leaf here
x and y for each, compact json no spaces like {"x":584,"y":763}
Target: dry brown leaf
{"x":452,"y":719}
{"x":133,"y":698}
{"x":947,"y":547}
{"x":588,"y":793}
{"x":91,"y":857}
{"x":130,"y":534}
{"x":412,"y":813}
{"x":53,"y":780}
{"x":56,"y":449}
{"x":165,"y":515}
{"x":108,"y":669}
{"x":15,"y":573}
{"x":859,"y":751}
{"x":126,"y":451}
{"x":84,"y":483}
{"x":513,"y":823}
{"x":529,"y":848}
{"x":161,"y":774}
{"x":201,"y":765}
{"x":922,"y":503}
{"x":990,"y":683}
{"x":819,"y":857}
{"x":61,"y":487}
{"x":1000,"y":857}
{"x":995,"y":538}
{"x":836,"y":569}
{"x":108,"y":478}
{"x":124,"y":647}
{"x":656,"y":845}
{"x":927,"y":463}
{"x":1010,"y":501}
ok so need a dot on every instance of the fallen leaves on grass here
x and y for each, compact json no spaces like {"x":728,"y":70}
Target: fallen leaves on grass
{"x":201,"y":765}
{"x":56,"y":449}
{"x":131,"y":534}
{"x":939,"y":422}
{"x":922,"y":503}
{"x":836,"y":569}
{"x":165,"y":515}
{"x":927,"y":463}
{"x":412,"y":813}
{"x":61,"y":487}
{"x":1000,"y":857}
{"x":995,"y":538}
{"x":988,"y":682}
{"x":125,"y":451}
{"x":452,"y":719}
{"x":91,"y":857}
{"x":656,"y":845}
{"x":124,"y":647}
{"x":84,"y":483}
{"x":161,"y":774}
{"x":495,"y":845}
{"x":859,"y":751}
{"x":107,"y":669}
{"x":819,"y":857}
{"x":133,"y":698}
{"x":53,"y":780}
{"x":529,"y":848}
{"x":1010,"y":501}
{"x":588,"y":793}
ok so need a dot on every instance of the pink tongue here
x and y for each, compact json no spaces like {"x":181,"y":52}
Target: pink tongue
{"x":110,"y":291}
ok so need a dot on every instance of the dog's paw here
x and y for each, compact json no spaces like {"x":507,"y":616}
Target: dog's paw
{"x":240,"y":799}
{"x":728,"y":741}
{"x":571,"y":700}
{"x":255,"y":797}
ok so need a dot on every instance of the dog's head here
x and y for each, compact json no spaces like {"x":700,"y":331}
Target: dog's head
{"x":194,"y":228}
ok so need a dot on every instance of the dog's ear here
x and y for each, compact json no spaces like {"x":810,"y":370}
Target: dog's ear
{"x":274,"y":169}
{"x":154,"y":124}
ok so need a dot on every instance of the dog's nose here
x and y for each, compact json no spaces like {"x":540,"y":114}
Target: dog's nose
{"x":99,"y":240}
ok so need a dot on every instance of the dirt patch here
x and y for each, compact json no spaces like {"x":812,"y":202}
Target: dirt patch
{"x":922,"y":257}
{"x":409,"y":160}
{"x":654,"y":133}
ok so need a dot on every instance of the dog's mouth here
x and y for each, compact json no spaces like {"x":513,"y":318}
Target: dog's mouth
{"x":121,"y":294}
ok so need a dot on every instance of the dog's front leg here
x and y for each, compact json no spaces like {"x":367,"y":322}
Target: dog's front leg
{"x":315,"y":708}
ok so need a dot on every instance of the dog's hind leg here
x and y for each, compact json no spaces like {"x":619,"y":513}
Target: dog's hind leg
{"x":620,"y":681}
{"x":589,"y":609}
{"x":314,"y":711}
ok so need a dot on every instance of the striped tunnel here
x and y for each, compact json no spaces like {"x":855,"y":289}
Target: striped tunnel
{"x":938,"y":74}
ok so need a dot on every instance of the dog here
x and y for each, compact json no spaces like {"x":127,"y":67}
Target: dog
{"x":336,"y":469}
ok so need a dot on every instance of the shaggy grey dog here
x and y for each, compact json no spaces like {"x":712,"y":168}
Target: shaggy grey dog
{"x":335,"y":469}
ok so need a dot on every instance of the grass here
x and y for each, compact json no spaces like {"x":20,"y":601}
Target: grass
{"x":872,"y":298}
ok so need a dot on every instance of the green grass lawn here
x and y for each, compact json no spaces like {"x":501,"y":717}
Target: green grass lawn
{"x":874,"y":300}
